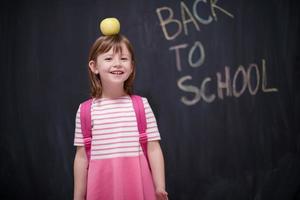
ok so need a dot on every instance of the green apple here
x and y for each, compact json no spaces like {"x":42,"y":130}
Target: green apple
{"x":110,"y":26}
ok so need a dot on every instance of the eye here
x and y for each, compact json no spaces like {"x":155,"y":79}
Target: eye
{"x":124,"y":58}
{"x":108,"y":58}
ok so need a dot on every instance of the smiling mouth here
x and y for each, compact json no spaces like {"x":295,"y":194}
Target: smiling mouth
{"x":117,"y":72}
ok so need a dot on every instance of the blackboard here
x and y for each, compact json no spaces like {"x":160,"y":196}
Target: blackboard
{"x":221,"y":76}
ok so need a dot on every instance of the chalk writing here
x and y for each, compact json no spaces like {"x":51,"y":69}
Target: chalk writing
{"x":188,"y":17}
{"x":227,"y":84}
{"x":231,"y":87}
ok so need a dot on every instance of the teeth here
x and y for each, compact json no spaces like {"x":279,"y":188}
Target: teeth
{"x":118,"y":73}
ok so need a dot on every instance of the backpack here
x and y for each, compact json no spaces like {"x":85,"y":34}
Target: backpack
{"x":86,"y":124}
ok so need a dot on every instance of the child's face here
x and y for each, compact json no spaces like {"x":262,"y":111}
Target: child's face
{"x":114,"y":68}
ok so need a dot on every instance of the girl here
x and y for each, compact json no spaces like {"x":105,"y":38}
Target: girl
{"x":118,"y":169}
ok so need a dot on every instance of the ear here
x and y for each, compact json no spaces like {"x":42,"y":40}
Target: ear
{"x":92,"y":66}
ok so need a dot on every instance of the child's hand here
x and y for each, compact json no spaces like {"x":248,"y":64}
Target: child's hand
{"x":161,"y":194}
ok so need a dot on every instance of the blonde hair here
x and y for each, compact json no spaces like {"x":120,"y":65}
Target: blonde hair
{"x":102,"y":45}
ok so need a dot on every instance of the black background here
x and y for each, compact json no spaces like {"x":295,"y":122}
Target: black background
{"x":232,"y":148}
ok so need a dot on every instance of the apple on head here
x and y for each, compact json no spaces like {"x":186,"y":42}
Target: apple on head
{"x":110,"y":26}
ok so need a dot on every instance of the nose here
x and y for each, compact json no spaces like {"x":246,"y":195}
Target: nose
{"x":117,"y":62}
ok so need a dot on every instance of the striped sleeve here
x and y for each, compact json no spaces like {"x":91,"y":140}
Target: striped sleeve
{"x":78,"y":138}
{"x":152,"y":129}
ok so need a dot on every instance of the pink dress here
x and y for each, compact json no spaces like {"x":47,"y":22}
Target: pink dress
{"x":118,"y":169}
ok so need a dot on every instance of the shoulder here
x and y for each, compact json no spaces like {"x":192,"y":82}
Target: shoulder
{"x":85,"y":103}
{"x":144,"y":99}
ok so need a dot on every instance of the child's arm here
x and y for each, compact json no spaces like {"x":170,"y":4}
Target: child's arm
{"x":80,"y":173}
{"x":156,"y":162}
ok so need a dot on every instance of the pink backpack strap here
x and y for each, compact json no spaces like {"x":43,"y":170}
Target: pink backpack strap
{"x":86,"y":126}
{"x":139,"y":109}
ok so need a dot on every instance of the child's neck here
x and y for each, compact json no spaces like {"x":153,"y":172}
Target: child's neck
{"x":113,"y":92}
